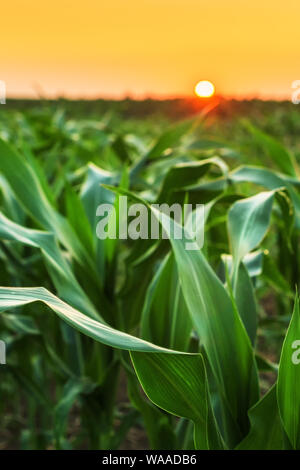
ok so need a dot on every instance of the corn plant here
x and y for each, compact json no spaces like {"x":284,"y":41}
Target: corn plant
{"x":182,"y":325}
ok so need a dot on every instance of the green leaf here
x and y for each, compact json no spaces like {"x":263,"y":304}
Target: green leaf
{"x":59,"y":270}
{"x":248,"y":221}
{"x":30,"y":193}
{"x":244,"y":292}
{"x":245,"y":301}
{"x":253,"y":262}
{"x":78,"y":219}
{"x":169,"y":139}
{"x":160,"y":432}
{"x":288,"y":388}
{"x":215,"y":319}
{"x":277,"y":152}
{"x":268,"y":179}
{"x":15,"y":297}
{"x":71,"y":392}
{"x":266,"y":429}
{"x":11,"y":206}
{"x":165,"y":318}
{"x":179,"y":386}
{"x":92,"y":195}
{"x":20,"y":324}
{"x":186,"y":174}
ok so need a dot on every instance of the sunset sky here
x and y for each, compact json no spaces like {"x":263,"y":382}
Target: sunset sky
{"x":143,"y":48}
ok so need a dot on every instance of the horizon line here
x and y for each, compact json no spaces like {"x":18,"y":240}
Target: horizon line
{"x":145,"y":97}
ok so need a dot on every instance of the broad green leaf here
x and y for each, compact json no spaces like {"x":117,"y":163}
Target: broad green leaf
{"x":59,"y":270}
{"x":215,"y":318}
{"x":266,"y":429}
{"x":206,"y":191}
{"x":268,"y":179}
{"x":160,"y":432}
{"x":78,"y":219}
{"x":111,"y":243}
{"x":179,"y":386}
{"x":248,"y":222}
{"x":288,"y":388}
{"x":186,"y":174}
{"x":11,"y":206}
{"x":258,"y":175}
{"x":165,"y":319}
{"x":245,"y":301}
{"x":15,"y":297}
{"x":275,"y":150}
{"x":92,"y":195}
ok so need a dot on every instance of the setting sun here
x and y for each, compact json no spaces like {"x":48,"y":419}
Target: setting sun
{"x":204,"y":89}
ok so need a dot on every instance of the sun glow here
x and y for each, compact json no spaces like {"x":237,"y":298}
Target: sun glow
{"x":204,"y":89}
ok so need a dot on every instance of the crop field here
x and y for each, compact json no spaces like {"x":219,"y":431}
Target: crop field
{"x":115,"y":342}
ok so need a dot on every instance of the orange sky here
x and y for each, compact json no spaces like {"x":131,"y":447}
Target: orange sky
{"x":149,"y":47}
